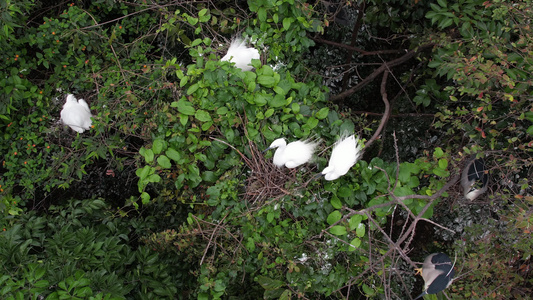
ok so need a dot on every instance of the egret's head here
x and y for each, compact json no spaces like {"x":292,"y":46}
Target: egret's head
{"x":278,"y":143}
{"x":331,"y":176}
{"x":329,"y":173}
{"x":71,"y":98}
{"x":226,"y":57}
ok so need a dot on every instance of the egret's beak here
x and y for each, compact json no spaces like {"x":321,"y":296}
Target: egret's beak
{"x":317,"y":176}
{"x":266,"y":149}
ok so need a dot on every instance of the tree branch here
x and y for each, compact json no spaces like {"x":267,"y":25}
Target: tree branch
{"x":384,"y":67}
{"x":386,"y":114}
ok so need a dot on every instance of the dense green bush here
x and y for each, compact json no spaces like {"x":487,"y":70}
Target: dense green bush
{"x":67,"y":54}
{"x":211,"y":214}
{"x":82,"y":250}
{"x":487,"y":74}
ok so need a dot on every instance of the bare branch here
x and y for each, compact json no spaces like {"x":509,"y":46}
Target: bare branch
{"x":386,"y":114}
{"x":384,"y":67}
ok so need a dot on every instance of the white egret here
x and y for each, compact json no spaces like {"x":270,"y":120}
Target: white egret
{"x":437,"y":272}
{"x":241,"y":55}
{"x":76,"y":114}
{"x":294,"y":154}
{"x":345,"y":154}
{"x":474,"y":180}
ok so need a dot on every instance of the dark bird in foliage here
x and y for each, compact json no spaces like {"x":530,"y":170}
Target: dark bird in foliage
{"x":339,"y":11}
{"x":437,"y":272}
{"x":474,"y":180}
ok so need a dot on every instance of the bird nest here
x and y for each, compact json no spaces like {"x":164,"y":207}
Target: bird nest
{"x":265,"y":180}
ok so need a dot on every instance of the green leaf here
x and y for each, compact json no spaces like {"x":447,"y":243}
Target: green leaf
{"x":260,"y":100}
{"x":196,"y":42}
{"x":145,"y":197}
{"x":356,"y":242}
{"x":354,"y":221}
{"x":360,"y":230}
{"x":270,"y":217}
{"x":529,"y":116}
{"x":164,"y":162}
{"x":438,"y":153}
{"x":148,"y":154}
{"x":279,"y":90}
{"x":275,"y":17}
{"x":269,"y":284}
{"x":173,"y":154}
{"x":265,"y":80}
{"x":206,"y":126}
{"x":262,"y":14}
{"x":322,"y":113}
{"x":338,"y":230}
{"x":269,"y":113}
{"x":368,"y":290}
{"x":287,"y":23}
{"x":203,"y":116}
{"x":222,"y":111}
{"x":209,"y":176}
{"x":203,"y":296}
{"x":277,"y":101}
{"x":443,"y":163}
{"x":334,"y":217}
{"x":153,"y":178}
{"x":192,"y":20}
{"x":41,"y":283}
{"x":295,"y":107}
{"x":250,"y":244}
{"x":39,"y":273}
{"x":192,"y":88}
{"x":286,"y":295}
{"x":530,"y":130}
{"x":312,"y":122}
{"x":230,"y":135}
{"x":202,"y":12}
{"x":249,"y":80}
{"x":143,"y":173}
{"x":445,"y":23}
{"x":336,"y":202}
{"x":185,"y":107}
{"x":441,"y":172}
{"x":159,"y":145}
{"x":345,"y":192}
{"x":434,"y":63}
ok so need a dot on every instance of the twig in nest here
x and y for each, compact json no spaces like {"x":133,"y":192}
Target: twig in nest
{"x":265,"y":180}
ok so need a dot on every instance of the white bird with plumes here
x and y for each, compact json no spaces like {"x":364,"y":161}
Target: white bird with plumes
{"x":345,"y":154}
{"x":241,"y":55}
{"x":76,"y":114}
{"x":294,"y":154}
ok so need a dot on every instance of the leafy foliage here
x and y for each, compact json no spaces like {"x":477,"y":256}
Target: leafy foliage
{"x":498,"y":256}
{"x":81,"y":251}
{"x":489,"y":72}
{"x":212,"y":214}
